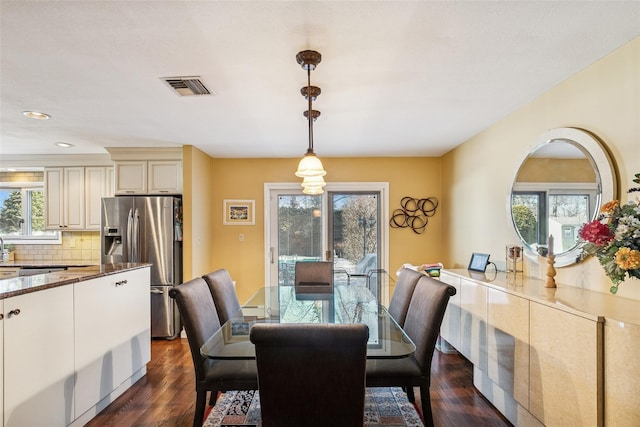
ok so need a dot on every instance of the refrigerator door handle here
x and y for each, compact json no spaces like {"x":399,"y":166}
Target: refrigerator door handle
{"x":130,"y":236}
{"x":136,"y":236}
{"x":157,"y":291}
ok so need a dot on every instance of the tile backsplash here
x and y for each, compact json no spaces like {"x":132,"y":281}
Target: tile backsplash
{"x":76,"y":246}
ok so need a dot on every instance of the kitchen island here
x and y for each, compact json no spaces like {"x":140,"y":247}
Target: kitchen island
{"x":72,"y":342}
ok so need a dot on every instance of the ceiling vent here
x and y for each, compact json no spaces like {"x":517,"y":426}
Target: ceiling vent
{"x":186,"y":86}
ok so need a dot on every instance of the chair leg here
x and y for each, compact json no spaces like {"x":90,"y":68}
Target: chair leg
{"x":201,"y":401}
{"x":213,"y":397}
{"x":427,"y":414}
{"x":410,"y":394}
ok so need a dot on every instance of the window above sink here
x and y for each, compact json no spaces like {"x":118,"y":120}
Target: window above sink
{"x":22,"y":209}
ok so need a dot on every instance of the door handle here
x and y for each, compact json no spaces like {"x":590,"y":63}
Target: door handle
{"x":130,"y":236}
{"x":271,"y":255}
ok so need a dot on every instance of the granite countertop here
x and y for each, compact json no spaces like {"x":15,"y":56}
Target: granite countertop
{"x":596,"y":306}
{"x":48,"y":264}
{"x":26,"y":284}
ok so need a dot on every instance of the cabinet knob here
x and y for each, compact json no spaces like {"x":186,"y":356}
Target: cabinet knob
{"x":14,"y":312}
{"x":1,"y":316}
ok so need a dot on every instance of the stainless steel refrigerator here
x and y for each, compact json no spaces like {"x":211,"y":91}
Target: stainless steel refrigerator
{"x":147,"y":229}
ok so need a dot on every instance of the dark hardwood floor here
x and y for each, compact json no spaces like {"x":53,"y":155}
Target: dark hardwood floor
{"x":166,"y":395}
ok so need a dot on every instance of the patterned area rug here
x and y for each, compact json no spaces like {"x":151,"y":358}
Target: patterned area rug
{"x":383,"y":407}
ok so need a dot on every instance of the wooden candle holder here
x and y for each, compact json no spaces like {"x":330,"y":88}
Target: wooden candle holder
{"x":551,"y":272}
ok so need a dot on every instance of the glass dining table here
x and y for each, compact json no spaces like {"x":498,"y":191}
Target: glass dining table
{"x":284,"y":304}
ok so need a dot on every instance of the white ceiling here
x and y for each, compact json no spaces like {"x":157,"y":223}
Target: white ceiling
{"x":398,"y":78}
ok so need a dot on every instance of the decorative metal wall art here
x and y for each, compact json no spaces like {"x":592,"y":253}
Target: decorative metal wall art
{"x":414,"y":213}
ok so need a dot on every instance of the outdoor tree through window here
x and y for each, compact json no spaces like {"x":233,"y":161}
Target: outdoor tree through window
{"x":22,"y":213}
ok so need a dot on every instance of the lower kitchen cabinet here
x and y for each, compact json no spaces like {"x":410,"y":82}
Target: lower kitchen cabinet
{"x":113,"y":335}
{"x":68,"y":351}
{"x":38,"y":358}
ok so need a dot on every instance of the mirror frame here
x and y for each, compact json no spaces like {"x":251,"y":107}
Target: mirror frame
{"x":603,"y":166}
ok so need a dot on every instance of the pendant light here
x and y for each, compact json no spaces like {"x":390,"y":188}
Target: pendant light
{"x":310,"y":167}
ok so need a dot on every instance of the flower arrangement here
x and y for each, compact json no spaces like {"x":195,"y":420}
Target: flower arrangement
{"x":614,"y":238}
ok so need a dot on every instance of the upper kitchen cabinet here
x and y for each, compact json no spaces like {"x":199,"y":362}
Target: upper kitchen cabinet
{"x":64,"y":198}
{"x":98,"y":184}
{"x":148,"y":177}
{"x":146,"y":171}
{"x":73,"y":194}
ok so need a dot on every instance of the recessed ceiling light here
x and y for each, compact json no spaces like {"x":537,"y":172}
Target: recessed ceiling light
{"x":36,"y":115}
{"x":64,"y":144}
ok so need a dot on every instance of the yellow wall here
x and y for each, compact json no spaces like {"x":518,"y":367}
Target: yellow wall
{"x":197,"y":201}
{"x":477,"y":176}
{"x":245,"y":178}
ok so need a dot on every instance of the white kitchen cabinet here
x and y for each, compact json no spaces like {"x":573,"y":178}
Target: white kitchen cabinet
{"x":148,"y":177}
{"x":165,"y":177}
{"x":131,"y":177}
{"x":64,"y":198}
{"x":98,"y":184}
{"x":38,"y":358}
{"x":112,"y":333}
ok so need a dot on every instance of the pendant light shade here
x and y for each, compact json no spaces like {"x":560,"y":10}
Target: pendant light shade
{"x":310,"y":167}
{"x":313,"y":191}
{"x":313,"y":181}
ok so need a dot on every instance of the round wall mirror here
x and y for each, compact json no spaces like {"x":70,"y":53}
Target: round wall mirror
{"x":559,"y":186}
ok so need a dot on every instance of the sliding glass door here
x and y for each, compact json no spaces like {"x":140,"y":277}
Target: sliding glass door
{"x":344,"y":225}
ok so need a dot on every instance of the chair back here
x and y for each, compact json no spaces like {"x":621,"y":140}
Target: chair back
{"x":402,"y":292}
{"x":224,"y":294}
{"x":199,"y":317}
{"x":424,"y":317}
{"x":311,"y":374}
{"x":314,"y":277}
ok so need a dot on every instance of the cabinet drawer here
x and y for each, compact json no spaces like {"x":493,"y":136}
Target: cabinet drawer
{"x":9,"y":272}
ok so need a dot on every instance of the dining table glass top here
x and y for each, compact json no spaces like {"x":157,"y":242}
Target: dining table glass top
{"x":346,"y":304}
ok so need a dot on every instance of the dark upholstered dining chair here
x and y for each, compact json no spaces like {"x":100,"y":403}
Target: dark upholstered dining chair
{"x":311,"y":374}
{"x":402,"y":292}
{"x":422,"y":325}
{"x":314,"y":277}
{"x":200,"y":321}
{"x":224,"y":294}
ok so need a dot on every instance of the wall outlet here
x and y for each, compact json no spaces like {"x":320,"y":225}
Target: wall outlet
{"x":241,"y":237}
{"x":72,"y":243}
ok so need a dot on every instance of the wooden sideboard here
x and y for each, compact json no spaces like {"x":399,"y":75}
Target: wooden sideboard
{"x":547,"y":357}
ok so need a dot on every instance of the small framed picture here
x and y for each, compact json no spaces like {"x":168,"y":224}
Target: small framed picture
{"x":239,"y":212}
{"x":478,"y":262}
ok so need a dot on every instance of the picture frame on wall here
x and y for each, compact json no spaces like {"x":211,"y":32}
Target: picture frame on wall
{"x":238,"y":212}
